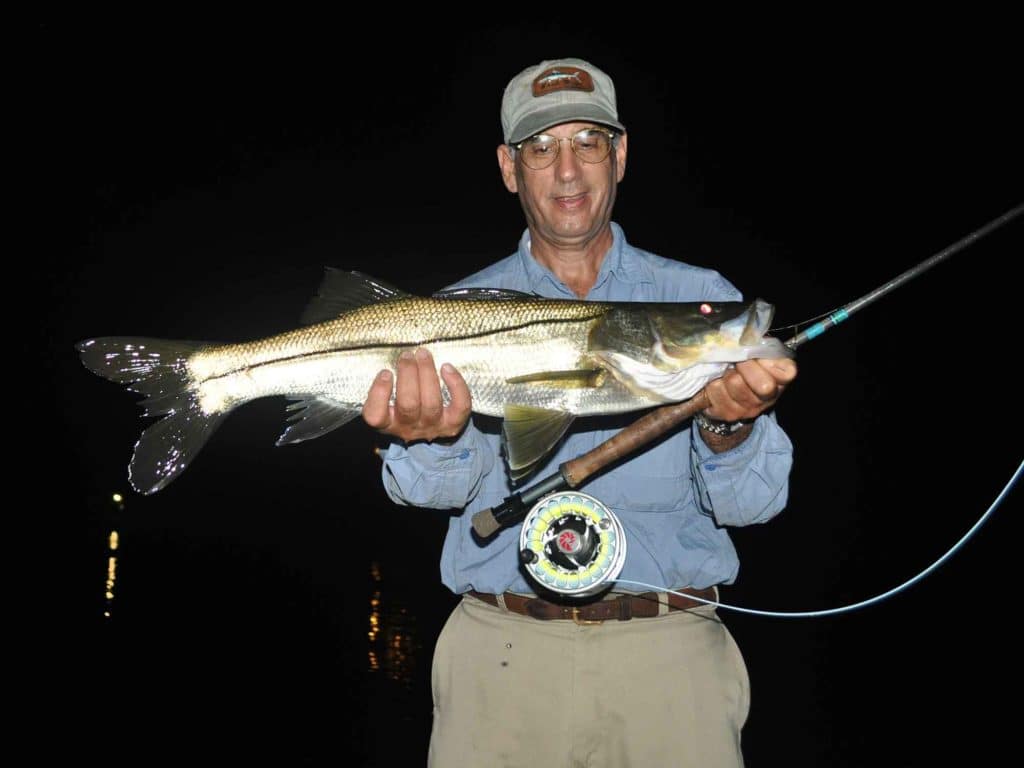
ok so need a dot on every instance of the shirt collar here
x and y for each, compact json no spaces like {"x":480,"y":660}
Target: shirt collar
{"x":620,"y":263}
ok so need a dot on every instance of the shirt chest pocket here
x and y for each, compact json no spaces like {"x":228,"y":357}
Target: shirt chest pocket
{"x":655,"y":480}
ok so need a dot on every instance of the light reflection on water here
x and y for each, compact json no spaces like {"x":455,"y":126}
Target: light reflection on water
{"x":394,"y":638}
{"x":394,"y":642}
{"x":113,"y":541}
{"x":232,"y":620}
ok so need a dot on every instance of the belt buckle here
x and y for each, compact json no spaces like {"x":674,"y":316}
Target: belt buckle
{"x":583,"y":622}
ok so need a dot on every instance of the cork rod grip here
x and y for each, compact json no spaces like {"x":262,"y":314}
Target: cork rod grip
{"x":640,"y":432}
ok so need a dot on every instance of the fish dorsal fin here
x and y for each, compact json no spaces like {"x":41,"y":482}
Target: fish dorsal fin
{"x":572,"y":379}
{"x":478,"y":294}
{"x":528,"y":435}
{"x":315,"y":415}
{"x":341,"y":291}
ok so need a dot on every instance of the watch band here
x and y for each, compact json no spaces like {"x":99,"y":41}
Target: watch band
{"x":715,"y":426}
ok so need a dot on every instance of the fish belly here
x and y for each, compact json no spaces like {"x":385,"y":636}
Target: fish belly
{"x":489,"y":365}
{"x":343,"y":376}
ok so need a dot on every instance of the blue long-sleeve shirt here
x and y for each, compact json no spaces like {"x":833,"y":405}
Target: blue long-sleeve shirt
{"x":673,"y":500}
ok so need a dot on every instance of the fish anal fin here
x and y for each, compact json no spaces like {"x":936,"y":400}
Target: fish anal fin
{"x":314,"y":416}
{"x":529,"y":434}
{"x":574,"y":379}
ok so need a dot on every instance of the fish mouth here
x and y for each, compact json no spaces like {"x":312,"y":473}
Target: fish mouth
{"x":747,"y":332}
{"x":759,"y":320}
{"x":751,"y":328}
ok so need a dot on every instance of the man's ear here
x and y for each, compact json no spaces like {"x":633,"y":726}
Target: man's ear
{"x":620,"y":157}
{"x":507,"y":164}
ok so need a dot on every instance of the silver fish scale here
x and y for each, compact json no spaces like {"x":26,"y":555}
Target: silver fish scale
{"x":489,"y":342}
{"x":487,"y":363}
{"x":407,"y":322}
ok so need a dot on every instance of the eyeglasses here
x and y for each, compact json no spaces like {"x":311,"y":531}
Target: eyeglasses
{"x":591,"y":145}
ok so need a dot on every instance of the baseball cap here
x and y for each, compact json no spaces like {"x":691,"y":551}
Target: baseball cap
{"x":557,"y":91}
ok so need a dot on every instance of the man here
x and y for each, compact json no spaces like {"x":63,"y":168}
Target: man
{"x":522,"y":680}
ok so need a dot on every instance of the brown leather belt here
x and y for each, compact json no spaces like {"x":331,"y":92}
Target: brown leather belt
{"x":619,"y":607}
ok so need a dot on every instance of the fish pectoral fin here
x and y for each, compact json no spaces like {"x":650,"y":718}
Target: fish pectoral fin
{"x":342,"y":291}
{"x":529,"y":434}
{"x":579,"y":378}
{"x":314,"y":416}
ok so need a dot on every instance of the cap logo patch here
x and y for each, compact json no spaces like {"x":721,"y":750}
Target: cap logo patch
{"x":562,"y":79}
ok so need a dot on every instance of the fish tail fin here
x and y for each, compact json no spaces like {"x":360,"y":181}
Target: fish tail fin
{"x":158,"y":369}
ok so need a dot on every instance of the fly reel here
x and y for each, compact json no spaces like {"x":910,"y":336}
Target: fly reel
{"x":571,"y":543}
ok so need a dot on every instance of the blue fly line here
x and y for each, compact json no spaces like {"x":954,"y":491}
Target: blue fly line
{"x":863,"y":603}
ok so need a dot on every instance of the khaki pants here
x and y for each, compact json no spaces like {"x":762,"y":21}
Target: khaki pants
{"x":515,"y":692}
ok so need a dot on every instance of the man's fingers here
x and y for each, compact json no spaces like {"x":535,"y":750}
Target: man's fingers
{"x":429,"y":388}
{"x":749,"y":388}
{"x":377,"y":408}
{"x":743,"y":395}
{"x":407,"y":390}
{"x":461,"y":403}
{"x":718,"y":397}
{"x":782,"y":369}
{"x":753,"y":379}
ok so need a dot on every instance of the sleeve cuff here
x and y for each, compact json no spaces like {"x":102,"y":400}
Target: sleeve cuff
{"x":736,"y":456}
{"x":433,"y":456}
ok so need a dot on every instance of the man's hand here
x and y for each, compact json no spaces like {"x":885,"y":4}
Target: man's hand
{"x":749,"y":389}
{"x":418,"y":412}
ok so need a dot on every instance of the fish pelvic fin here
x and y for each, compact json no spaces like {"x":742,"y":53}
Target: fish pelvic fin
{"x":529,"y":434}
{"x":314,"y":416}
{"x":156,"y":368}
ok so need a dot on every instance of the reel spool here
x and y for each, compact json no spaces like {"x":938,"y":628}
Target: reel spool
{"x":572,"y":544}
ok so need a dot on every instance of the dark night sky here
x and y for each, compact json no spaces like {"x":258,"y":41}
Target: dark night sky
{"x":194,"y":185}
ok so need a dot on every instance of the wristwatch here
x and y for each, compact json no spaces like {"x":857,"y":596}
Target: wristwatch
{"x":715,"y":426}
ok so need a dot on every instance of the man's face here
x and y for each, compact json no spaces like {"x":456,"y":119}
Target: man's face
{"x":570,"y":202}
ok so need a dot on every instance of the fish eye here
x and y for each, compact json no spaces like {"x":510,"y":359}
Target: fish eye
{"x":705,"y":309}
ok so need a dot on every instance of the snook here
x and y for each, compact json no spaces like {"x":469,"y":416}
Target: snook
{"x":537,"y":363}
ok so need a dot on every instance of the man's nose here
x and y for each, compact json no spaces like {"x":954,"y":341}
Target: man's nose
{"x":567,"y":165}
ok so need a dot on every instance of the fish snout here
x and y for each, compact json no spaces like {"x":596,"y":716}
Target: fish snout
{"x":758,"y":320}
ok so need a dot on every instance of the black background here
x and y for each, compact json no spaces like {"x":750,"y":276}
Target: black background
{"x":191,"y":178}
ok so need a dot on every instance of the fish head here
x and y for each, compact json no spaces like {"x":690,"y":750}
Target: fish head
{"x":688,"y":334}
{"x":705,"y":332}
{"x":667,"y":352}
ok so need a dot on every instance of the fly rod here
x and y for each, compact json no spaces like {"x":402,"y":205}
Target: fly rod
{"x":573,"y":473}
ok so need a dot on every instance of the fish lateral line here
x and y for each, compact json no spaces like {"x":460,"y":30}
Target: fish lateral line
{"x":212,"y":350}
